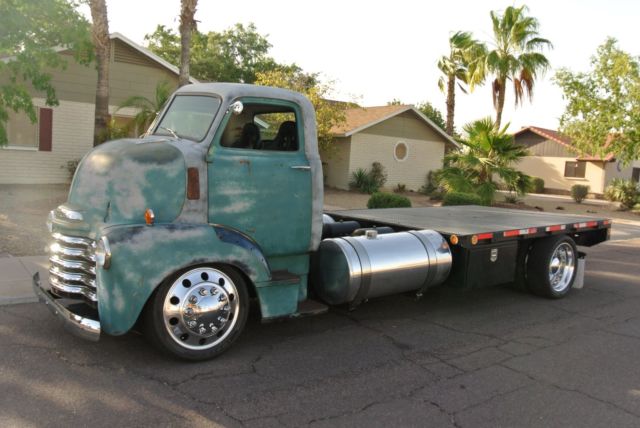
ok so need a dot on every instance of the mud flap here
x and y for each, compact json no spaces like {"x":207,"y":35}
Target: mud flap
{"x":578,"y":283}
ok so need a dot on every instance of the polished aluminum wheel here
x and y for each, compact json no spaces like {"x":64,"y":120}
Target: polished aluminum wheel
{"x":201,"y":308}
{"x":562,"y":267}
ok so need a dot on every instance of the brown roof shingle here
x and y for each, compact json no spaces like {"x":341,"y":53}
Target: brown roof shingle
{"x":361,"y":116}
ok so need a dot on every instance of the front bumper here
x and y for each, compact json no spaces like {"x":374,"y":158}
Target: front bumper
{"x":82,"y":326}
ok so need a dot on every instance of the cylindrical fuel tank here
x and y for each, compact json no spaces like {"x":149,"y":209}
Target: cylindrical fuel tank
{"x":351,"y":269}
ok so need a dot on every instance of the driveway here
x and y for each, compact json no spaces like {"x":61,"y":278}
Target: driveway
{"x":484,"y":358}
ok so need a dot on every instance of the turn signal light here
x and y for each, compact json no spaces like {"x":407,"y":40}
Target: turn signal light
{"x":149,"y":217}
{"x":453,"y":239}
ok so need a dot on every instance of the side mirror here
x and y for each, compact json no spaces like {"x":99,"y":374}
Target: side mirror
{"x":236,"y":108}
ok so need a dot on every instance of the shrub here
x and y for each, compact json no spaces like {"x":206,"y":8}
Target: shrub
{"x":430,"y":185}
{"x":400,"y":188}
{"x":388,"y":200}
{"x":368,"y":181}
{"x":71,"y":167}
{"x":579,"y":192}
{"x":459,"y":198}
{"x":537,"y":185}
{"x":378,"y":174}
{"x":624,"y":191}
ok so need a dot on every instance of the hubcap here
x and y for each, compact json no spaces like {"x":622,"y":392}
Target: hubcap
{"x":561,"y":267}
{"x":201,"y":308}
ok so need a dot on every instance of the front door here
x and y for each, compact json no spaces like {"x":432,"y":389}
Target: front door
{"x":259,"y":180}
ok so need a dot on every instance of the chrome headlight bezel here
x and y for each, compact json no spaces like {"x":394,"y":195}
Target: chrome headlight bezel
{"x":103,"y":253}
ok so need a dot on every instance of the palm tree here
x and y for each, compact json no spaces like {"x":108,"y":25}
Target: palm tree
{"x":488,"y":153}
{"x":102,"y":45}
{"x":148,"y":109}
{"x":465,"y":53}
{"x":187,"y":26}
{"x":516,"y":56}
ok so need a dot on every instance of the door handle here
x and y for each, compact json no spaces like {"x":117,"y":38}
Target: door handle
{"x":302,"y":167}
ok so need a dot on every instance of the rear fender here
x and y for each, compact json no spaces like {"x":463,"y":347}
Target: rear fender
{"x":143,"y":256}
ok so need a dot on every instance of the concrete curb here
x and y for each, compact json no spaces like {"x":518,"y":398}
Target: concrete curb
{"x":15,"y":278}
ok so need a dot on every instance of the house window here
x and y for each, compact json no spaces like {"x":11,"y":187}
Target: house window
{"x":635,"y":175}
{"x":400,"y":151}
{"x":21,"y":132}
{"x":574,"y":169}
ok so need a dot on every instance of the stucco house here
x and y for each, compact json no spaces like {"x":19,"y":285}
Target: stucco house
{"x":400,"y":137}
{"x":555,"y":159}
{"x":38,"y":153}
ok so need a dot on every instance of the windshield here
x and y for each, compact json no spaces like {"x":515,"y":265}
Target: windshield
{"x":188,"y":116}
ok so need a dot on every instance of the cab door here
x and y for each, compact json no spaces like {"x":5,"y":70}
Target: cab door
{"x":262,"y":188}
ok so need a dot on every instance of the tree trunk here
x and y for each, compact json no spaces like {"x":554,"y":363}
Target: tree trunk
{"x":187,"y":25}
{"x":451,"y":103}
{"x":500,"y":106}
{"x":102,"y":45}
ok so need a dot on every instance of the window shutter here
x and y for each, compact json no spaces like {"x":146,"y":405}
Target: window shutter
{"x":46,"y":130}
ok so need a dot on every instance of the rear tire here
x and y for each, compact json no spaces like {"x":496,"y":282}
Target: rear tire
{"x":199,"y":313}
{"x":551,"y":266}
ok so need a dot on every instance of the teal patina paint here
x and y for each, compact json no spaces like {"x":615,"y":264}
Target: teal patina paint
{"x":117,"y":181}
{"x":261,"y":194}
{"x":143,"y":256}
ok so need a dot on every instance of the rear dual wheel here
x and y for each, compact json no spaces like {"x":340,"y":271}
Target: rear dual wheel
{"x":551,"y":266}
{"x":198,"y":314}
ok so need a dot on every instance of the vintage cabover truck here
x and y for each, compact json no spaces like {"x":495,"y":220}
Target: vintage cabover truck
{"x":222,"y":202}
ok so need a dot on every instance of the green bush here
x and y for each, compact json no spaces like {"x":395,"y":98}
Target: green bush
{"x":459,"y":198}
{"x":388,"y":200}
{"x":624,"y":191}
{"x":511,"y":198}
{"x":537,"y":185}
{"x":579,"y":192}
{"x":400,"y":188}
{"x":368,"y":181}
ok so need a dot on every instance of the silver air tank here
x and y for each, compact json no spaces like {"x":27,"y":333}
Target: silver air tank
{"x":352,"y":269}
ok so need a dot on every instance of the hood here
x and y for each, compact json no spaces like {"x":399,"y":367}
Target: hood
{"x":117,"y":181}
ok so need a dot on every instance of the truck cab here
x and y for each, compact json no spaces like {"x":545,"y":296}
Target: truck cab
{"x":224,"y":193}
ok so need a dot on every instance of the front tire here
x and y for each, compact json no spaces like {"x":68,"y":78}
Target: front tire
{"x":198,"y":314}
{"x":552,"y":264}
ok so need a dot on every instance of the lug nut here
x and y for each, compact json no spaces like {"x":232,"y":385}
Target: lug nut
{"x":192,"y":324}
{"x":222,"y":298}
{"x":202,"y":330}
{"x":203,"y":292}
{"x":189,"y":311}
{"x":193,"y":299}
{"x":214,"y":291}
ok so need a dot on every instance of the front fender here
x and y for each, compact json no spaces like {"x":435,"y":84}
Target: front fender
{"x":143,"y":256}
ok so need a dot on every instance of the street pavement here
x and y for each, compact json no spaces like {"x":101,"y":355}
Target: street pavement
{"x":492,"y":357}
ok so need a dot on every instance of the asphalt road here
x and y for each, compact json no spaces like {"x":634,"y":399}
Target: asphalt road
{"x":493,"y":357}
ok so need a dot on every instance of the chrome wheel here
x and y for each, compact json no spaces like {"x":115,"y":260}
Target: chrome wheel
{"x":201,"y":308}
{"x":561,"y":267}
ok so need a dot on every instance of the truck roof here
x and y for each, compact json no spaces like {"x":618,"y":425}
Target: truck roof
{"x":230,"y":91}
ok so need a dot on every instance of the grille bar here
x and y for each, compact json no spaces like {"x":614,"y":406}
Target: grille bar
{"x":72,"y":269}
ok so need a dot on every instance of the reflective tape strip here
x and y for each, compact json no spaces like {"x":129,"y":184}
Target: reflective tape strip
{"x":485,"y":236}
{"x":585,"y":224}
{"x":555,"y":228}
{"x":520,"y":232}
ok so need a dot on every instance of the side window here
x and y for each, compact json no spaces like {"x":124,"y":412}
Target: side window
{"x":262,"y":127}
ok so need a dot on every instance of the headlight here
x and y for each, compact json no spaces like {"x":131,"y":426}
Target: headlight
{"x":103,"y":253}
{"x":50,"y":218}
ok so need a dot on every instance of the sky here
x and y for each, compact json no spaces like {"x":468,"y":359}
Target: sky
{"x":378,"y":51}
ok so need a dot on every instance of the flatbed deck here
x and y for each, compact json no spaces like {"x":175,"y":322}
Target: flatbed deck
{"x":472,"y":220}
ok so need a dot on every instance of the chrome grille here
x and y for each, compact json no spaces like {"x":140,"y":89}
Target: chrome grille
{"x":72,"y":267}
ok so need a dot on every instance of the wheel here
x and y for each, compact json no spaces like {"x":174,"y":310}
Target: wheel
{"x":198,"y":314}
{"x":551,"y":266}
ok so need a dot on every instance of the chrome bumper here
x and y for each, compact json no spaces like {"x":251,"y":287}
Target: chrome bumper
{"x":85,"y":328}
